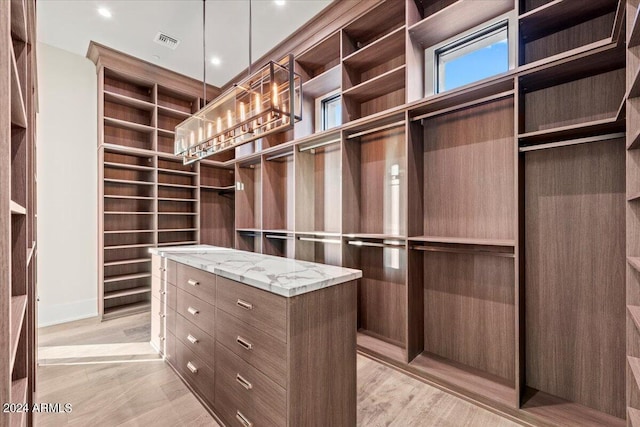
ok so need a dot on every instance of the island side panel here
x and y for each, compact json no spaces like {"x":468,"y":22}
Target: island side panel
{"x":322,"y":357}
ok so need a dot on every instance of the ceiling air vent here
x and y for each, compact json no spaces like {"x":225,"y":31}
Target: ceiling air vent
{"x":166,"y":40}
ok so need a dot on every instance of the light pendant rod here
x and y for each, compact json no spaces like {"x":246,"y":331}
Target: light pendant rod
{"x":250,"y":36}
{"x":204,"y":53}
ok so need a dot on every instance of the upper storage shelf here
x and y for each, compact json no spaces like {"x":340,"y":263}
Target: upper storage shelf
{"x":454,"y":17}
{"x":377,"y":23}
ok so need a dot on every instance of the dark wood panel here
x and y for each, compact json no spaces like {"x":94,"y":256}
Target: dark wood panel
{"x":277,"y":194}
{"x":469,"y":173}
{"x":197,"y":282}
{"x":323,"y":336}
{"x":217,"y":218}
{"x":587,"y":99}
{"x":196,"y":311}
{"x":469,"y":311}
{"x":201,"y":343}
{"x":575,"y":274}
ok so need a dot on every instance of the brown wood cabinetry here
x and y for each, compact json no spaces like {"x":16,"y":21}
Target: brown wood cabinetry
{"x":18,"y":208}
{"x":246,"y":352}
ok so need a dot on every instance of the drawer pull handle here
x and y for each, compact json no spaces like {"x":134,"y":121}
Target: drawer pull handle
{"x":192,"y":339}
{"x":243,"y":304}
{"x":192,"y":368}
{"x":243,"y":420}
{"x":193,"y":311}
{"x":162,"y":339}
{"x":243,"y":382}
{"x":162,"y":292}
{"x":162,"y":315}
{"x":244,"y":343}
{"x":193,"y":282}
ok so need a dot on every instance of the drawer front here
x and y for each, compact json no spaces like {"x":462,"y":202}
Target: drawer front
{"x":156,"y":266}
{"x":171,"y":320}
{"x":195,"y":339}
{"x":260,"y":350}
{"x":157,"y":285}
{"x":195,"y":372}
{"x":170,"y":349}
{"x":261,"y":309}
{"x":253,"y":393}
{"x":171,"y":268}
{"x":197,"y":282}
{"x":171,"y":296}
{"x":197,"y":311}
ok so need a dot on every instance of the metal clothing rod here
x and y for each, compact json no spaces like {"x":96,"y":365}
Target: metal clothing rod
{"x":379,"y":128}
{"x":279,"y":156}
{"x":318,"y":145}
{"x":586,"y":140}
{"x":374,"y":245}
{"x":313,"y":239}
{"x":278,"y":236}
{"x":462,"y":251}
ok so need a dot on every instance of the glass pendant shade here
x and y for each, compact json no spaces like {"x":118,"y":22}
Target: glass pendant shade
{"x":268,"y":101}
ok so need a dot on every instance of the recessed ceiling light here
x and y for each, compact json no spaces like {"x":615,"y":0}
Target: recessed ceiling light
{"x":279,"y":2}
{"x":216,"y":61}
{"x":103,"y":11}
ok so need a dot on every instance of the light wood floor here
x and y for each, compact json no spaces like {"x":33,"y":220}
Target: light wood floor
{"x":111,"y":376}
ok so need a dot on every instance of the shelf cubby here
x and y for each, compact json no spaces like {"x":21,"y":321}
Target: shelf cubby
{"x":128,"y":86}
{"x":585,"y":294}
{"x":382,"y":289}
{"x":319,"y":59}
{"x":322,"y":247}
{"x":379,"y":21}
{"x":547,"y":30}
{"x":327,"y":82}
{"x":441,"y":20}
{"x":128,"y":134}
{"x":373,"y":181}
{"x":249,"y":240}
{"x":278,"y":195}
{"x":278,"y":243}
{"x":174,"y":100}
{"x":248,"y":199}
{"x":217,"y":203}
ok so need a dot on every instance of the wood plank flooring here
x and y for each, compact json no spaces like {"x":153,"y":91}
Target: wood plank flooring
{"x":111,"y":376}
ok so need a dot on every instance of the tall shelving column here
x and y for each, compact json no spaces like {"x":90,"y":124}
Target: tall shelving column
{"x":633,"y":207}
{"x":17,"y":199}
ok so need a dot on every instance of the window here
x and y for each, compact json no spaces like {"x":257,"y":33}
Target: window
{"x":475,"y":57}
{"x":328,"y":111}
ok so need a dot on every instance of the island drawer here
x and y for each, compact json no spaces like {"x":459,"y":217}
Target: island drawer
{"x":195,"y":339}
{"x":258,"y":308}
{"x":195,"y":371}
{"x":239,"y":386}
{"x":171,"y":320}
{"x":171,"y":296}
{"x":157,"y":323}
{"x":260,"y":350}
{"x":197,"y":311}
{"x":170,"y":349}
{"x":197,"y":282}
{"x":172,"y":271}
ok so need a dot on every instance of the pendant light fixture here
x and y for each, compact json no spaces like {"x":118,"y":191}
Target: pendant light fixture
{"x":266,"y":102}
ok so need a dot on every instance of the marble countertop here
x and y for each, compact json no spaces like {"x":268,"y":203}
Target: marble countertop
{"x":283,"y":276}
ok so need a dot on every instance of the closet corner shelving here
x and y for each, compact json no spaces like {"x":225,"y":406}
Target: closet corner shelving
{"x":148,"y":197}
{"x":18,"y":248}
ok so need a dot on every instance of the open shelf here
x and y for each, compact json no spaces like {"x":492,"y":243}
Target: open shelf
{"x":136,"y":245}
{"x":177,"y":172}
{"x":380,"y":348}
{"x":456,"y":18}
{"x":634,"y":262}
{"x":378,"y":52}
{"x":126,"y":310}
{"x":16,"y":209}
{"x":379,"y":21}
{"x":634,"y":416}
{"x":19,"y":29}
{"x":123,"y":124}
{"x":127,"y":262}
{"x":634,"y":32}
{"x":19,"y":394}
{"x":322,"y":57}
{"x":464,"y":241}
{"x":126,"y":277}
{"x":128,"y":182}
{"x":170,"y":112}
{"x":634,"y":311}
{"x":564,"y":412}
{"x":480,"y":383}
{"x":18,"y":110}
{"x":555,"y":15}
{"x":126,"y":292}
{"x":128,"y":166}
{"x":178,"y":243}
{"x":323,"y":83}
{"x":128,"y":101}
{"x":18,"y":309}
{"x":383,"y":84}
{"x":575,"y":131}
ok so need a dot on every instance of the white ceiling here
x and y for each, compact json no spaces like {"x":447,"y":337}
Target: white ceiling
{"x":71,"y":24}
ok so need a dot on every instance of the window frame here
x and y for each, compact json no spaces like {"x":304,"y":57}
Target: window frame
{"x":467,"y":38}
{"x":320,"y":111}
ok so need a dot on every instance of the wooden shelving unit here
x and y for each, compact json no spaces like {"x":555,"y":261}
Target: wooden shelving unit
{"x":18,"y":250}
{"x":148,"y":197}
{"x":477,"y":215}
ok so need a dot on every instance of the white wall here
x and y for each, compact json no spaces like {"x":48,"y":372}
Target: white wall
{"x":67,"y":186}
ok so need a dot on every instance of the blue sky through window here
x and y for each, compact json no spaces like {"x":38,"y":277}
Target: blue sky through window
{"x":476,"y":65}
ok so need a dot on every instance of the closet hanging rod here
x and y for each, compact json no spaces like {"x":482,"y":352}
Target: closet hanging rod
{"x":279,"y":156}
{"x":469,"y":104}
{"x":462,"y":251}
{"x":278,"y":236}
{"x":375,"y":245}
{"x":568,"y":142}
{"x":314,"y":239}
{"x":319,"y":144}
{"x":376,"y":129}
